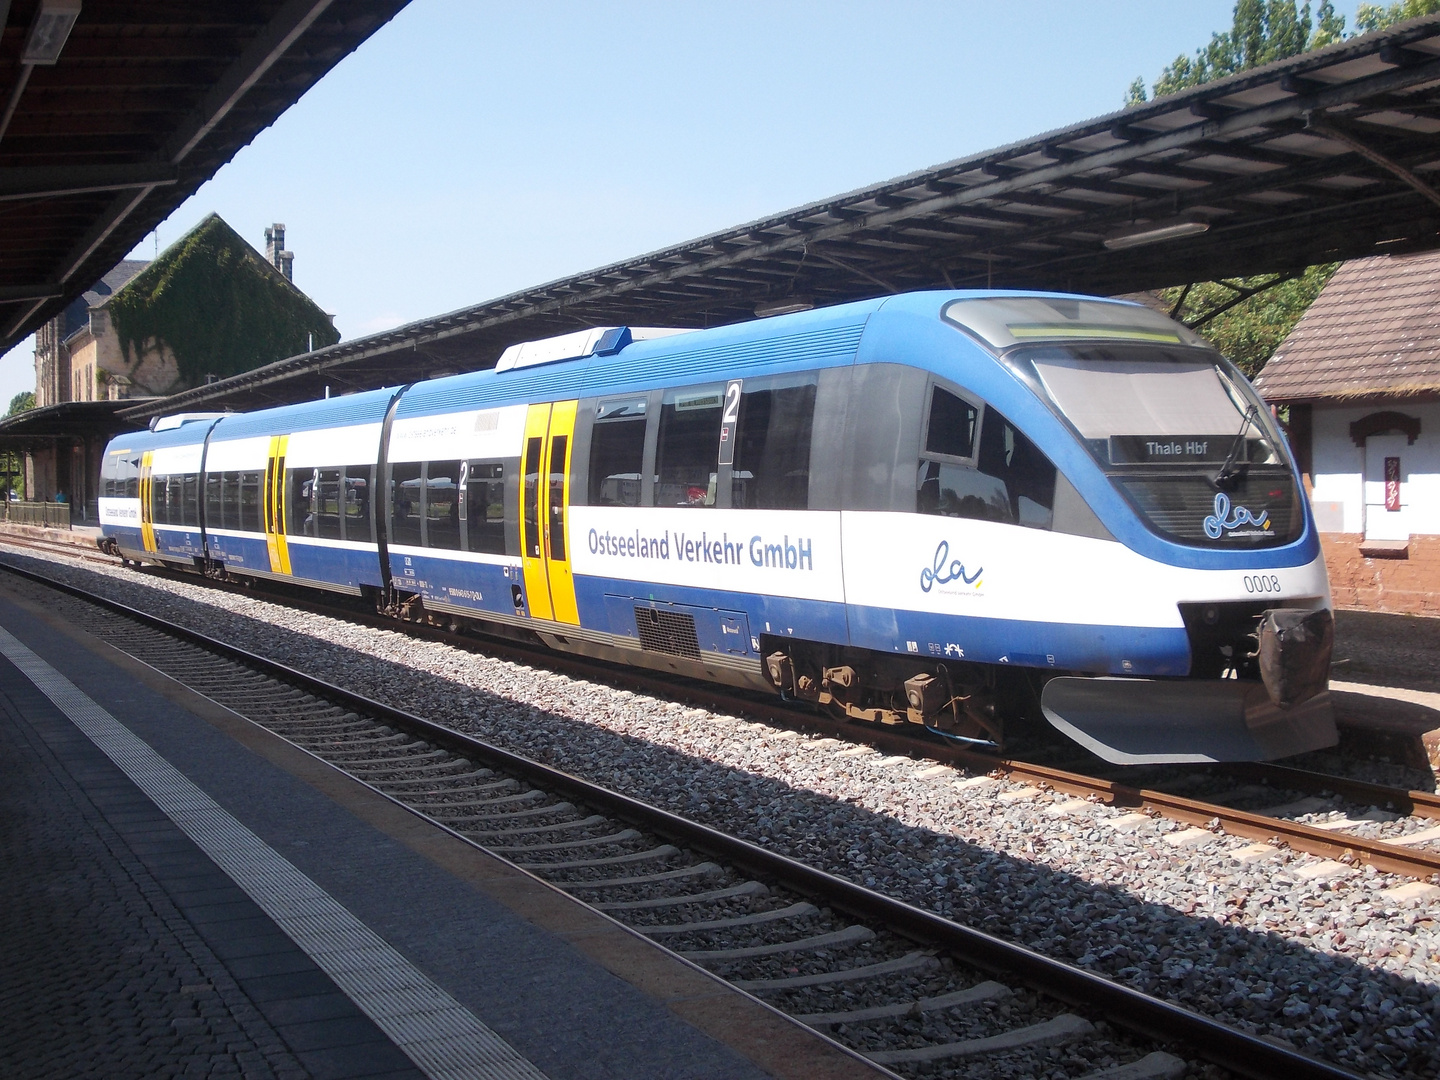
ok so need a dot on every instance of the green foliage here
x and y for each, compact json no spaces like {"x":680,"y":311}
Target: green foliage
{"x":1261,"y":31}
{"x":21,"y":402}
{"x":1370,"y":17}
{"x":219,"y":307}
{"x":1250,"y":331}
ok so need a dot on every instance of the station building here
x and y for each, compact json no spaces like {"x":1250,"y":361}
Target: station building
{"x":1360,"y":378}
{"x":210,"y":306}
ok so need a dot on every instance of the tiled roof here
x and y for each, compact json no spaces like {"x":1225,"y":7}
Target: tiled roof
{"x":77,"y":314}
{"x":1374,"y":329}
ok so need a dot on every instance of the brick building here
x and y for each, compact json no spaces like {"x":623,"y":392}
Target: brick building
{"x":1360,"y":377}
{"x":208,"y":307}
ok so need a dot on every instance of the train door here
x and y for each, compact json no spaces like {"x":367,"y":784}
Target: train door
{"x":147,"y":504}
{"x":544,"y":501}
{"x":274,"y":506}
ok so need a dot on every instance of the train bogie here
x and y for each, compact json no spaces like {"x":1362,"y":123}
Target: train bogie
{"x":906,"y":510}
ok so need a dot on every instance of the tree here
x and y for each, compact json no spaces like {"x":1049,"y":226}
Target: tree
{"x":1261,"y":31}
{"x":1370,"y":17}
{"x":1248,"y":318}
{"x":21,"y":402}
{"x":11,"y":465}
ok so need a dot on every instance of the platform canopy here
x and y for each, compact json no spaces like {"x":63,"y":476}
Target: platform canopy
{"x":112,"y":113}
{"x":1327,"y":155}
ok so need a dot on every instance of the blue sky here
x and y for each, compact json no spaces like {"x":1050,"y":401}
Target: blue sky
{"x":472,"y":148}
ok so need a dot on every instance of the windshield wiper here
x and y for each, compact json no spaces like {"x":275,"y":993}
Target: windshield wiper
{"x":1228,"y":469}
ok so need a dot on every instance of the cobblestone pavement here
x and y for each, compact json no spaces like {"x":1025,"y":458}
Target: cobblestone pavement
{"x":101,"y":974}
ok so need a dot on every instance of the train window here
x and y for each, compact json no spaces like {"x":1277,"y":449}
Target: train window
{"x":559,"y":445}
{"x":442,"y":505}
{"x":300,"y":502}
{"x":251,"y":517}
{"x":175,"y":499}
{"x":357,"y":503}
{"x":214,"y":501}
{"x":132,"y":486}
{"x":158,"y":513}
{"x":951,"y":428}
{"x":190,"y":500}
{"x":327,"y":503}
{"x":533,"y":447}
{"x":405,"y":505}
{"x":772,"y":449}
{"x":1011,"y":482}
{"x":485,"y":507}
{"x":687,"y":456}
{"x":617,"y":453}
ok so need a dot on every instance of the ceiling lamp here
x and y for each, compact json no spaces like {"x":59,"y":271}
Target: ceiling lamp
{"x":1156,"y":232}
{"x":49,"y":30}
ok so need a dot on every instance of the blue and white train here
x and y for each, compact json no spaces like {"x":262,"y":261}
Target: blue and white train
{"x":911,"y":510}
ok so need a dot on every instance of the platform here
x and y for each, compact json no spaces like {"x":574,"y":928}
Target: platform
{"x":183,"y":893}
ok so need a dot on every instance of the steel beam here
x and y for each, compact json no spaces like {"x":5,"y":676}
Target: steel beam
{"x":50,"y":181}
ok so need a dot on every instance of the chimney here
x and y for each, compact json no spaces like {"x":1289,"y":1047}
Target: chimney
{"x":275,"y":252}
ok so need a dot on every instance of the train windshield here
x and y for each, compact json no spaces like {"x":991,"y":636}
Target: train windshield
{"x":1181,"y":434}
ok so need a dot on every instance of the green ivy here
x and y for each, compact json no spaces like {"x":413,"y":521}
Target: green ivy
{"x":218,"y":305}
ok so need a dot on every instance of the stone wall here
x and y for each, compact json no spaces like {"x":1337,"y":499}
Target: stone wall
{"x":1405,"y":583}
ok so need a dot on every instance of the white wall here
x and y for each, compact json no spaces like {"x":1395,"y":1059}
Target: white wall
{"x":1339,"y":472}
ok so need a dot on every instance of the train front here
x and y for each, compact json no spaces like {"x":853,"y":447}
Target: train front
{"x":1186,"y":467}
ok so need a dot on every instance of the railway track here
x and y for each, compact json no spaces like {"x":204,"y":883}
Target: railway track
{"x":1352,"y":807}
{"x":901,"y":985}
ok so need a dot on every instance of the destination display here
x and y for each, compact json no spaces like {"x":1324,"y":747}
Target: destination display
{"x":1172,"y":449}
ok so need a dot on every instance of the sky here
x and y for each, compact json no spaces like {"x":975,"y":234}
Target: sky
{"x":472,"y":148}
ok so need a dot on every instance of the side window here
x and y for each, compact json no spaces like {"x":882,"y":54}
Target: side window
{"x":688,"y":454}
{"x":252,"y":503}
{"x":175,"y":499}
{"x":190,"y":500}
{"x":1027,"y":474}
{"x":442,"y":504}
{"x":1006,"y":479}
{"x":357,"y":503}
{"x":214,"y":500}
{"x":327,"y":503}
{"x":132,"y":479}
{"x":300,"y":502}
{"x":485,"y":507}
{"x":771,"y":470}
{"x":157,"y":500}
{"x":230,"y":496}
{"x":405,"y":503}
{"x":950,"y":430}
{"x":617,"y":453}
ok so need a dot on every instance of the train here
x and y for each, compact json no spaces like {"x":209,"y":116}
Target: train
{"x":938,"y":508}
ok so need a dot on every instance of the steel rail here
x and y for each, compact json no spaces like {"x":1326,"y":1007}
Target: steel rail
{"x":1384,"y":856}
{"x":1127,"y":1008}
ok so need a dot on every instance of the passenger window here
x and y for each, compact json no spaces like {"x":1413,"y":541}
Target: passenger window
{"x":1012,"y":481}
{"x":327,"y":503}
{"x":617,"y":453}
{"x":300,"y":502}
{"x":357,"y":503}
{"x":158,"y":500}
{"x":190,"y":500}
{"x":771,"y":470}
{"x":405,"y":503}
{"x":252,"y":504}
{"x":442,"y":505}
{"x":485,"y":507}
{"x":214,"y":501}
{"x":175,"y":500}
{"x":688,"y":453}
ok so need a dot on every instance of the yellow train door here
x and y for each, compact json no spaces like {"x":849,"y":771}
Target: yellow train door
{"x":147,"y":504}
{"x":544,"y":503}
{"x":274,"y":506}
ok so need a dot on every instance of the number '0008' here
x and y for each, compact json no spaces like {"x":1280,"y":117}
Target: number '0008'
{"x":1262,"y":583}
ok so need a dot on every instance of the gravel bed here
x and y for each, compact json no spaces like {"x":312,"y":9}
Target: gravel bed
{"x":1329,"y":964}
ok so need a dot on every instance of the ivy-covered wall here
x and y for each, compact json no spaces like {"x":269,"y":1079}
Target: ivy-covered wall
{"x":219,"y":307}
